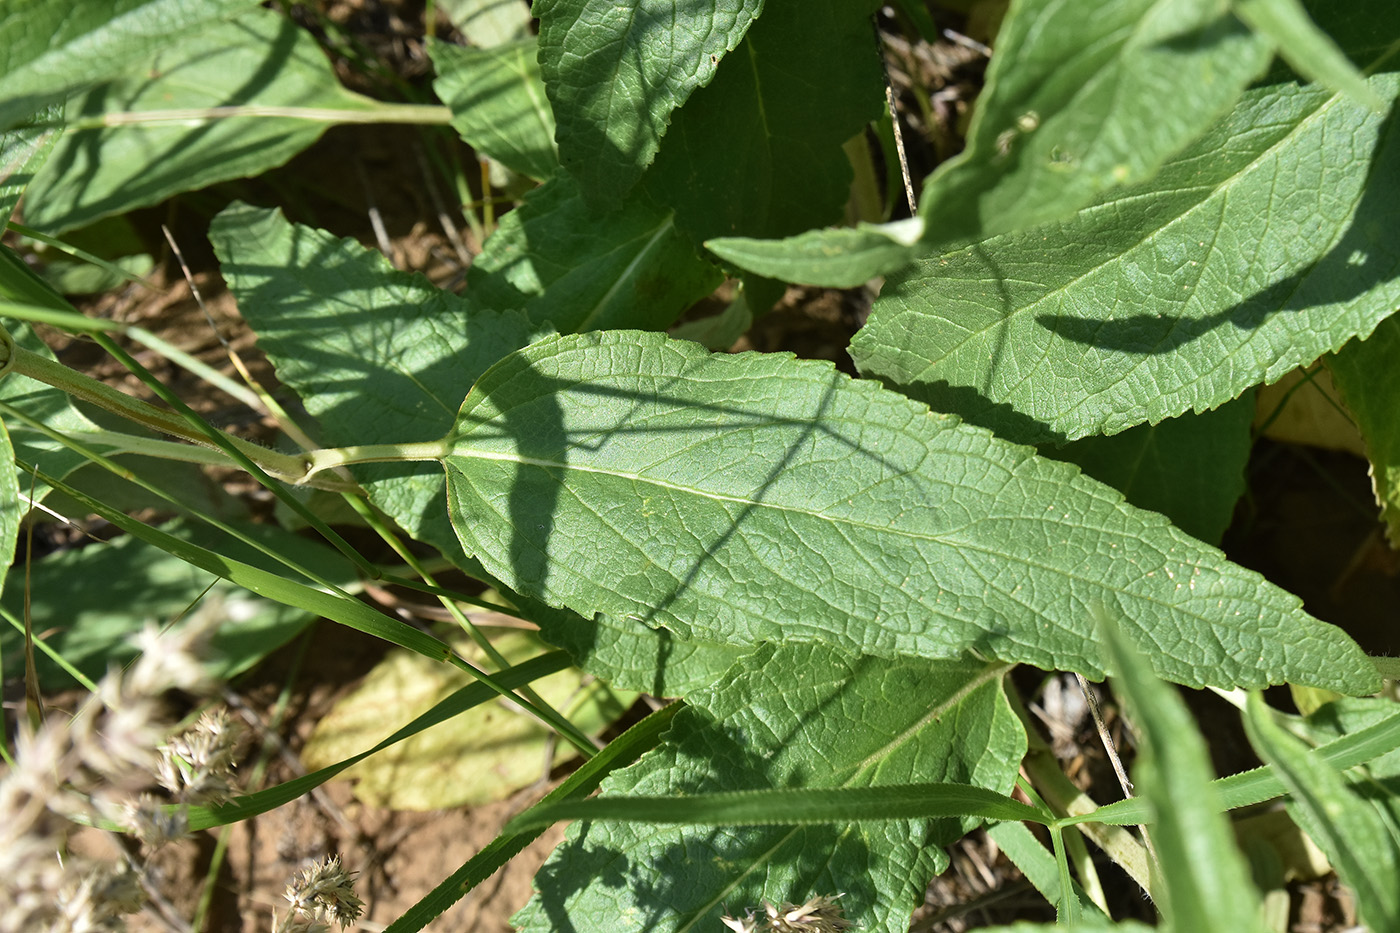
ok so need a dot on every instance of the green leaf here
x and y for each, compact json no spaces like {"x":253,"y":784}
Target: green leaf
{"x":1367,"y":373}
{"x":756,"y":497}
{"x":616,"y":69}
{"x":9,"y":500}
{"x":837,"y":258}
{"x":800,"y":807}
{"x":1084,"y":97}
{"x":1372,"y":731}
{"x":1167,"y":298}
{"x":1189,"y":468}
{"x":498,"y":103}
{"x":576,"y":270}
{"x":759,"y":153}
{"x":259,"y":60}
{"x":482,"y":755}
{"x":23,"y":151}
{"x":795,"y":717}
{"x":487,"y":23}
{"x":1207,"y":884}
{"x":1309,"y":50}
{"x":50,"y":50}
{"x":1345,"y":827}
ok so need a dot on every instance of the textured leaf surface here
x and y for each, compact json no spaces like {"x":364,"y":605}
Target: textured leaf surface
{"x":797,"y":716}
{"x":479,"y":756}
{"x":577,"y":269}
{"x":805,"y":79}
{"x":1368,"y":374}
{"x":835,"y":258}
{"x":260,"y":59}
{"x":1207,"y":883}
{"x":1268,"y":243}
{"x":49,"y":50}
{"x":1190,"y":468}
{"x":755,"y":498}
{"x":616,"y":69}
{"x":498,"y":103}
{"x":1084,"y":97}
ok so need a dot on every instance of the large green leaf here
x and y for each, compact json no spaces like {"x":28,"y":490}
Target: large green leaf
{"x":616,"y":69}
{"x":259,"y":60}
{"x":1367,"y":373}
{"x":9,"y":498}
{"x":498,"y":103}
{"x":49,"y":50}
{"x":799,"y":716}
{"x":1080,"y":98}
{"x":576,"y":269}
{"x":758,"y":152}
{"x":757,"y":498}
{"x":1189,"y":468}
{"x":1268,"y":243}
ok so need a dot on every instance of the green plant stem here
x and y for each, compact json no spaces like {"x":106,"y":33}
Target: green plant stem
{"x":330,"y":458}
{"x":417,"y":114}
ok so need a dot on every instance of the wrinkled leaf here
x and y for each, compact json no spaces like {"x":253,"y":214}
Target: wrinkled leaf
{"x":1344,"y":826}
{"x":1207,"y":883}
{"x":498,"y":103}
{"x":261,"y":59}
{"x":476,"y":757}
{"x":1190,"y":468}
{"x":616,"y":69}
{"x":49,"y":50}
{"x":577,"y":270}
{"x":805,"y":80}
{"x":1163,"y":299}
{"x":1368,"y":374}
{"x":756,"y":498}
{"x":799,"y":716}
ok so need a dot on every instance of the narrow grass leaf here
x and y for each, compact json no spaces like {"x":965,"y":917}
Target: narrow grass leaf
{"x":1367,"y":373}
{"x":51,"y":50}
{"x":498,"y":102}
{"x":9,"y":499}
{"x":795,"y":807}
{"x":1038,"y":866}
{"x":1207,"y":883}
{"x":619,"y":753}
{"x":1366,"y":743}
{"x":1342,"y":824}
{"x":616,"y":69}
{"x":801,"y":718}
{"x":1173,"y":296}
{"x":758,"y":498}
{"x":260,"y":60}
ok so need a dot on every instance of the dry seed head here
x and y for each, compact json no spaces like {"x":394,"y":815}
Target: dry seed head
{"x":323,"y":891}
{"x":821,"y":914}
